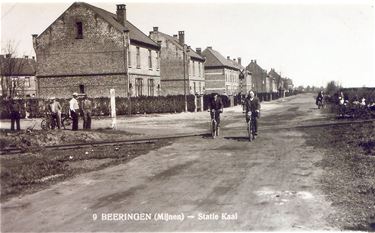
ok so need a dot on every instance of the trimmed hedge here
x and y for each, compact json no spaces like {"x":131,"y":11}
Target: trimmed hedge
{"x":101,"y":106}
{"x":137,"y":105}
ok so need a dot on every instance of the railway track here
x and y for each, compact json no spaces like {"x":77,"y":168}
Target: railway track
{"x":15,"y":150}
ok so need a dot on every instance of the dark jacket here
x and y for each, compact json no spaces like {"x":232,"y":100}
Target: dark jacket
{"x":217,"y":105}
{"x":252,"y":105}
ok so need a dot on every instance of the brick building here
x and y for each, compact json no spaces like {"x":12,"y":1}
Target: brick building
{"x":21,"y":75}
{"x":277,"y":83}
{"x":90,"y":50}
{"x":222,"y":75}
{"x":172,"y":62}
{"x":259,"y":76}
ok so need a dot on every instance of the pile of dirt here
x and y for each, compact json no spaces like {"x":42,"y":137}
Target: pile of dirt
{"x":349,"y":177}
{"x":39,"y":139}
{"x":30,"y":172}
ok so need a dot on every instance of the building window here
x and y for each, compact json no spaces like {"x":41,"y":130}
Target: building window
{"x":82,"y":88}
{"x":27,"y":82}
{"x":199,"y":66}
{"x":138,"y":86}
{"x":157,"y":60}
{"x":79,"y":30}
{"x":200,"y":88}
{"x":129,"y":58}
{"x":190,"y":68}
{"x":151,"y":87}
{"x":149,"y":59}
{"x":138,"y":58}
{"x":194,"y":70}
{"x":195,"y":88}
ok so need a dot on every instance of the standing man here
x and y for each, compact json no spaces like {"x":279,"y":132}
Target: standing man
{"x":15,"y":114}
{"x":86,"y":111}
{"x":252,"y":104}
{"x":55,"y":110}
{"x":74,"y":108}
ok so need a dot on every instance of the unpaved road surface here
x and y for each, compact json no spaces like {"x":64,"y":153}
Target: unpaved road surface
{"x":269,"y":184}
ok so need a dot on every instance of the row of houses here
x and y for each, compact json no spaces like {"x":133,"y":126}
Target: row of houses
{"x":90,"y":50}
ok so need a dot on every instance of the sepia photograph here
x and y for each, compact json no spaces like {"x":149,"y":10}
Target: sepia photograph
{"x":187,"y":116}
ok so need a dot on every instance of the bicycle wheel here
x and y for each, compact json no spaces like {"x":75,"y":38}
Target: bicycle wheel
{"x":67,"y":122}
{"x":43,"y":124}
{"x":213,"y":128}
{"x":250,"y":130}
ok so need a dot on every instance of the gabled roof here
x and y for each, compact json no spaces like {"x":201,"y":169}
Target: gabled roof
{"x":175,"y":41}
{"x":274,"y":74}
{"x":17,"y":66}
{"x":215,"y":59}
{"x":254,"y":67}
{"x":135,"y":34}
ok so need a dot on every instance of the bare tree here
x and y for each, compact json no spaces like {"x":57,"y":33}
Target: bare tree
{"x":11,"y":67}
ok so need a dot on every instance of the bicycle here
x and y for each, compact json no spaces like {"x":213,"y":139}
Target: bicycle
{"x":250,"y":126}
{"x":214,"y":125}
{"x":320,"y":104}
{"x":66,"y":121}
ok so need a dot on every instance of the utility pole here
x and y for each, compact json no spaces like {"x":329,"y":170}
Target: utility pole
{"x":126,"y":43}
{"x":184,"y":62}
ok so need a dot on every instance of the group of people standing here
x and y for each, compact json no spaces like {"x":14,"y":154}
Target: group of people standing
{"x":85,"y":108}
{"x":54,"y":109}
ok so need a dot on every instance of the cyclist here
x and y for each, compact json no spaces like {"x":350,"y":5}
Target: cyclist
{"x":217,"y":105}
{"x":319,"y":98}
{"x":252,"y":104}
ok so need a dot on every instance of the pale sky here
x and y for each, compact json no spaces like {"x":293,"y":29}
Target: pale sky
{"x":311,"y":43}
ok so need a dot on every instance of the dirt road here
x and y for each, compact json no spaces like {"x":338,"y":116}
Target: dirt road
{"x":195,"y":184}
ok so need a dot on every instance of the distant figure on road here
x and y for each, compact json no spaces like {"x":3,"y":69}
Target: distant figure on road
{"x":55,"y":110}
{"x":342,"y":104}
{"x":216,"y":104}
{"x":319,"y":99}
{"x":86,"y":112}
{"x":252,"y":104}
{"x":15,"y":114}
{"x":74,"y":109}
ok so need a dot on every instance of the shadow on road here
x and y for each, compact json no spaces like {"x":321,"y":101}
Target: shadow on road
{"x":239,"y":139}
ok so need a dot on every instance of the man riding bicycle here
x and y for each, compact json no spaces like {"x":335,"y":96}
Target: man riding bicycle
{"x":217,"y":105}
{"x":252,"y":105}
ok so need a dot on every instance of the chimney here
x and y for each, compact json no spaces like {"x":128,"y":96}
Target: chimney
{"x":228,"y":57}
{"x":199,"y":51}
{"x":234,"y":59}
{"x":239,"y":60}
{"x":188,"y":49}
{"x":255,"y":61}
{"x":181,"y":37}
{"x":26,"y":57}
{"x":209,"y":47}
{"x":34,"y":39}
{"x":159,"y":42}
{"x":175,"y":36}
{"x":155,"y":29}
{"x":8,"y":55}
{"x":121,"y":13}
